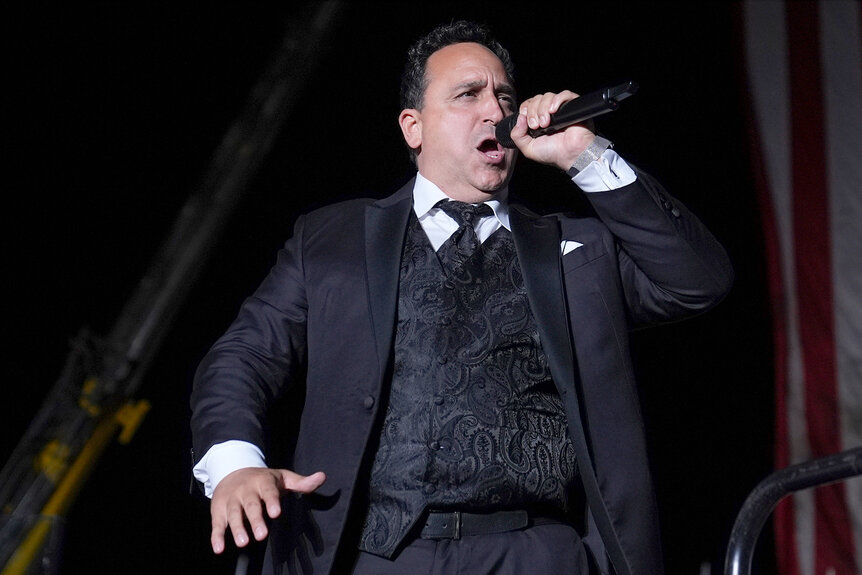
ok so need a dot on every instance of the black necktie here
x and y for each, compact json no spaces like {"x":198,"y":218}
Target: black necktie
{"x":463,"y":242}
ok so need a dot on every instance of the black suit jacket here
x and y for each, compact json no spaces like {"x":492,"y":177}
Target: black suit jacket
{"x":324,"y":320}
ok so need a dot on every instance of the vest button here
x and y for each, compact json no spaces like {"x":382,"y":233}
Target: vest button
{"x":438,"y":400}
{"x":434,"y":445}
{"x":429,"y":489}
{"x":368,"y":402}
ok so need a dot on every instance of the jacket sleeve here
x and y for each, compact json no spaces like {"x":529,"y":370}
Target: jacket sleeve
{"x":262,"y":353}
{"x":671,"y":266}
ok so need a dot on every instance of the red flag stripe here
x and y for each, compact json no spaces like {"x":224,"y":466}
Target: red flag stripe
{"x":766,"y":62}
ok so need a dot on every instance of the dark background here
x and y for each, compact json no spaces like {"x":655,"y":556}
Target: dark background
{"x":116,"y":111}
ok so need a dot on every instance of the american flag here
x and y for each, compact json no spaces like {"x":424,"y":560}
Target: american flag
{"x":804,"y":80}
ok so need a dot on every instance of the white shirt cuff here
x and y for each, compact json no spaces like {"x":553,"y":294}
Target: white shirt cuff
{"x":609,"y":172}
{"x":224,"y":458}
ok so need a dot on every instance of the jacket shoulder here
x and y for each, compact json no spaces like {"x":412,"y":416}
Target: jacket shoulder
{"x":349,"y":210}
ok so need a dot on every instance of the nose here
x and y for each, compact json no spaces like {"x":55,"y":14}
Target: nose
{"x":493,"y":109}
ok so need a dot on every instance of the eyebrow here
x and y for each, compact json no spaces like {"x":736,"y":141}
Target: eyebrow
{"x":501,"y":88}
{"x":506,"y":89}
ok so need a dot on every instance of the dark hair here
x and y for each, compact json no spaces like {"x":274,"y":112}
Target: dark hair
{"x":414,"y":78}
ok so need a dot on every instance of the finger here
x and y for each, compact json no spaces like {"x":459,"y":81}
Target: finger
{"x":560,"y":99}
{"x":533,"y":110}
{"x":254,"y":514}
{"x":519,"y":131}
{"x":302,"y":483}
{"x":551,"y":104}
{"x":525,"y":105}
{"x":270,"y":495}
{"x":236,"y":521}
{"x":217,"y":536}
{"x":543,"y":111}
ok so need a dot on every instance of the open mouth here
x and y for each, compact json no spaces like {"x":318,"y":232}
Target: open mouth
{"x":491,"y":149}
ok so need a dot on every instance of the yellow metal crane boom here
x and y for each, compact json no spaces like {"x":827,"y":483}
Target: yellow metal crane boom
{"x":94,"y":399}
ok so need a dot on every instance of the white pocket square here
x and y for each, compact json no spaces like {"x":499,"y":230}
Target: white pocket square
{"x":567,"y":246}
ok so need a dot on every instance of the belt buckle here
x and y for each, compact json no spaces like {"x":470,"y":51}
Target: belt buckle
{"x":457,"y":520}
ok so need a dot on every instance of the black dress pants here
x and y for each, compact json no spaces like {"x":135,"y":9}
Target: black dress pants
{"x":551,"y":549}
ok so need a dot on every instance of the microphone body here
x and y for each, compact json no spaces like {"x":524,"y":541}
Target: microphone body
{"x":574,"y":111}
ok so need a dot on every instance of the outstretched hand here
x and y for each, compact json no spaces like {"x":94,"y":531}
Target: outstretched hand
{"x":561,"y":148}
{"x":239,"y":499}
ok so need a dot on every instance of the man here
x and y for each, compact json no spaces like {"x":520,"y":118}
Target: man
{"x":467,"y":408}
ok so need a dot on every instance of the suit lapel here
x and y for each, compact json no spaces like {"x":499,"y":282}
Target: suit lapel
{"x":537,"y":243}
{"x":385,"y":226}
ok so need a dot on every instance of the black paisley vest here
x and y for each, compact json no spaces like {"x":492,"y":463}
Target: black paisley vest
{"x":474,"y":421}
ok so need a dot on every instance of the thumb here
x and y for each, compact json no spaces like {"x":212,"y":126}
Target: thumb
{"x":519,"y":130}
{"x":302,"y":483}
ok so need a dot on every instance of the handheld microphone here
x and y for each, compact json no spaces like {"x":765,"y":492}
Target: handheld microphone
{"x":572,"y":112}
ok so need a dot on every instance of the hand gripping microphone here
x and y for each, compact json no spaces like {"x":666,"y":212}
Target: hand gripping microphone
{"x":572,"y":112}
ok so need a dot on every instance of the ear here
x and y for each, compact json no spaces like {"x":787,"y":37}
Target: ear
{"x":410,"y":121}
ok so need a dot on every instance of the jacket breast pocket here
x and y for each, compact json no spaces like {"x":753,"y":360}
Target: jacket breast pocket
{"x":582,"y":255}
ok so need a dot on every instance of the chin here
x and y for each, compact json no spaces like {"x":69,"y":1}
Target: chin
{"x":491,"y":185}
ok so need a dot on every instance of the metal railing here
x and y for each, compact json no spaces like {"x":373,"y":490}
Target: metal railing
{"x":763,"y":499}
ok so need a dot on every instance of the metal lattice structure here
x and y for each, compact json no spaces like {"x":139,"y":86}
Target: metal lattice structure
{"x":94,"y":400}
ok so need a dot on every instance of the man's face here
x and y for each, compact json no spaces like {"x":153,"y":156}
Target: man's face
{"x":467,"y":94}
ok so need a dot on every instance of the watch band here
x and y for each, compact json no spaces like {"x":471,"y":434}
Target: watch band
{"x":593,"y":152}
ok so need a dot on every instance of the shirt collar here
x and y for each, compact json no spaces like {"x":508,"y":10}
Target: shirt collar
{"x":426,"y":195}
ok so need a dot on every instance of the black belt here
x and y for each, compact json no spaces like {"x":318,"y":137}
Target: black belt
{"x":457,"y":524}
